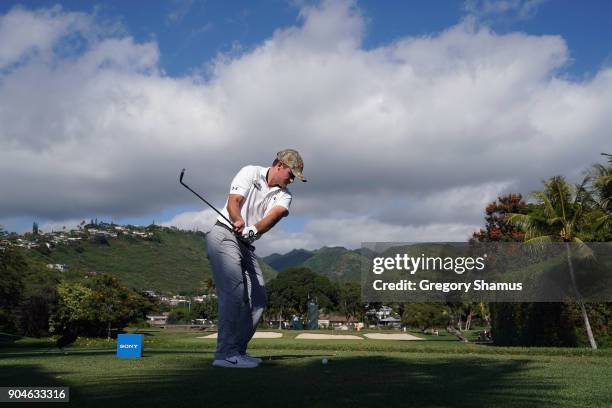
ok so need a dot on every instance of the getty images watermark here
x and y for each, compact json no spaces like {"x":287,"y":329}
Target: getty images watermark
{"x":492,"y":272}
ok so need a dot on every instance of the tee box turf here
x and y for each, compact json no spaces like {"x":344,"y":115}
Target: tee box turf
{"x":129,"y":345}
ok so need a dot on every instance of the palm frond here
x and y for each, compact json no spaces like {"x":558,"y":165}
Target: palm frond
{"x":542,"y":239}
{"x":605,"y":221}
{"x":539,"y":244}
{"x":549,"y":209}
{"x":581,"y":249}
{"x":522,"y":221}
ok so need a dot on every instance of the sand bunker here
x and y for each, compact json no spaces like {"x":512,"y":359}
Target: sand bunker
{"x":314,"y":336}
{"x":258,"y":335}
{"x":383,"y":336}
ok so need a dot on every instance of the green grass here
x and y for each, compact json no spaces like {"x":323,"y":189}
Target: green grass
{"x":175,"y":371}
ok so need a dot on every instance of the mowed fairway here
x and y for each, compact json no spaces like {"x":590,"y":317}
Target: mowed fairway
{"x":438,"y":372}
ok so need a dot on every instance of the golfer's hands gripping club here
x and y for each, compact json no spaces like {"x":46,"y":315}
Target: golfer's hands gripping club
{"x":249,"y":234}
{"x":239,"y":226}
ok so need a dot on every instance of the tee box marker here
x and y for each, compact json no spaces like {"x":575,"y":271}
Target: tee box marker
{"x":129,"y":345}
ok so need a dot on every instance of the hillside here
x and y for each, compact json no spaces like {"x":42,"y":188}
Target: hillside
{"x":175,"y":261}
{"x":337,"y":263}
{"x":289,"y":260}
{"x":431,"y":249}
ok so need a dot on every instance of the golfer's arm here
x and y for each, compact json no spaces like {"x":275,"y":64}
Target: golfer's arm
{"x":234,"y":204}
{"x":276,"y":213}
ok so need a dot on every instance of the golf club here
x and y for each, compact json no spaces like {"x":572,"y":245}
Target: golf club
{"x":249,"y":246}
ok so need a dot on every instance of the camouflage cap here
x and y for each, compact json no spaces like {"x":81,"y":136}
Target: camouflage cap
{"x":292,"y":159}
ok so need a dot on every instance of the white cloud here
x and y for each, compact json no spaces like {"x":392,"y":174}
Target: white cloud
{"x":349,"y":232}
{"x":66,"y":225}
{"x":26,"y":33}
{"x":352,"y":232}
{"x":435,"y":124}
{"x":518,"y":9}
{"x":443,"y":206}
{"x":193,"y":220}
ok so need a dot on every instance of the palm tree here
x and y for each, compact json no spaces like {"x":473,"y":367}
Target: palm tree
{"x":600,"y":182}
{"x":564,"y":208}
{"x":208,"y":286}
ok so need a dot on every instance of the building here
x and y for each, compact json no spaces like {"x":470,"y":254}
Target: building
{"x":158,"y":320}
{"x":58,"y":267}
{"x":391,"y":321}
{"x":338,"y":322}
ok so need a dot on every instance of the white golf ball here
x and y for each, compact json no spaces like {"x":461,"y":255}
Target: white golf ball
{"x":324,"y":361}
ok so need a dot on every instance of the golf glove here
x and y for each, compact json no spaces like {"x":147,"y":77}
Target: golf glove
{"x":249,"y":234}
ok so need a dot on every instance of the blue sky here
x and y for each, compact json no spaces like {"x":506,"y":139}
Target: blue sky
{"x":191,"y":32}
{"x":397,"y":107}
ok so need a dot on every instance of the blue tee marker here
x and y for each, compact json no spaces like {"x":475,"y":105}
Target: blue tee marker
{"x":129,"y":345}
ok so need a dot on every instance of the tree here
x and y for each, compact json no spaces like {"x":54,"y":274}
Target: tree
{"x":208,"y":309}
{"x":114,"y":304}
{"x":12,"y":267}
{"x":497,"y":227}
{"x":563,"y":214}
{"x":463,"y":313}
{"x":349,"y":300}
{"x":108,"y":299}
{"x":72,"y":307}
{"x":39,"y":299}
{"x":178,"y":315}
{"x":600,"y":186}
{"x":291,"y":290}
{"x":94,"y":307}
{"x":208,"y":286}
{"x":426,"y":315}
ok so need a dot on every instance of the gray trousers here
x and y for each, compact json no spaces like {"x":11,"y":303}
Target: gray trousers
{"x":240,"y":291}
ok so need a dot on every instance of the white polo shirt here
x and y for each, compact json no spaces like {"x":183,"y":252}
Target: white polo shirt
{"x":251,"y":183}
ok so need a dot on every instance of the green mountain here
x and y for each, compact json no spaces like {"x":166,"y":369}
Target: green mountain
{"x":430,"y":249}
{"x":337,"y":263}
{"x":291,"y":259}
{"x":172,"y":261}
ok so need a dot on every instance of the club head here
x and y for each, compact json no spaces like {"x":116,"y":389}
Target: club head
{"x":182,"y":174}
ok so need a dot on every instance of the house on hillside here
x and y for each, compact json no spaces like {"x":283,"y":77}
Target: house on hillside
{"x":58,"y":267}
{"x":4,"y":244}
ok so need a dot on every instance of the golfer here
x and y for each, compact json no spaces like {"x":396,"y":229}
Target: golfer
{"x":258,"y":199}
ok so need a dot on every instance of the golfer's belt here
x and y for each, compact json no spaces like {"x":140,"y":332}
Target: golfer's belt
{"x":220,"y":224}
